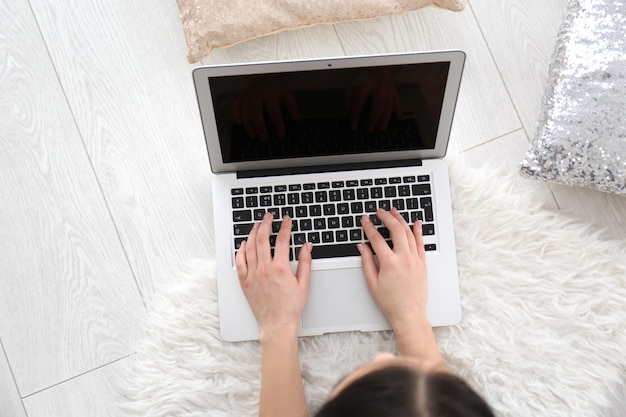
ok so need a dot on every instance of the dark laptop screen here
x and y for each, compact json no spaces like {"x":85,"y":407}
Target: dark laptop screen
{"x":328,"y":112}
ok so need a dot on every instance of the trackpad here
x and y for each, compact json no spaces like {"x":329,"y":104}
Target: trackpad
{"x":340,"y":298}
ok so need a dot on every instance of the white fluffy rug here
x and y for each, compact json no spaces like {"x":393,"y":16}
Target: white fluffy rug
{"x":542,"y":332}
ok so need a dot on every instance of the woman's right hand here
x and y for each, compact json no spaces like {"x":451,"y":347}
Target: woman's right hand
{"x":399,"y":282}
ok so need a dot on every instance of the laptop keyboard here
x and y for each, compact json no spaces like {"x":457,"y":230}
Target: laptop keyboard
{"x":328,"y":214}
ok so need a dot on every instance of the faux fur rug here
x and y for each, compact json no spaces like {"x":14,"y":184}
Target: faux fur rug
{"x":542,"y":332}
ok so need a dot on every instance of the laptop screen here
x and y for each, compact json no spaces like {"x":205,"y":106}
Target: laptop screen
{"x":347,"y":110}
{"x":328,"y":112}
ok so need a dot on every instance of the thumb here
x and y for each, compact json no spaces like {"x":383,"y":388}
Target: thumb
{"x":369,"y":267}
{"x":303,"y":273}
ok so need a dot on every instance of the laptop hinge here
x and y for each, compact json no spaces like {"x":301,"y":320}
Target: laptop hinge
{"x":328,"y":168}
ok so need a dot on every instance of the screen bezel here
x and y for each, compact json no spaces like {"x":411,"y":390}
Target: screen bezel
{"x":202,"y":74}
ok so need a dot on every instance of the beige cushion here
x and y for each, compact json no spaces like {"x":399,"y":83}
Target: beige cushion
{"x":210,"y":24}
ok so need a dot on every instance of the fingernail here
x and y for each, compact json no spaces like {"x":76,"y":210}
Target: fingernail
{"x":360,"y":247}
{"x":309,"y":246}
{"x":365,"y":219}
{"x":285,"y":218}
{"x":267,"y":215}
{"x":394,"y":210}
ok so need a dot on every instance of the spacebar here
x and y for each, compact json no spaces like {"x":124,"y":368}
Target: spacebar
{"x":332,"y":251}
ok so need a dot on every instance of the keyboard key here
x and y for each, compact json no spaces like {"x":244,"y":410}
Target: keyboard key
{"x":276,"y":226}
{"x":348,"y":194}
{"x":242,"y":215}
{"x":417,"y":216}
{"x":430,"y":246}
{"x":377,"y":192}
{"x":308,"y":186}
{"x":427,"y":205}
{"x":355,"y":235}
{"x":306,"y":224}
{"x":370,"y":206}
{"x":384,"y":232}
{"x":275,"y":212}
{"x":384,"y":204}
{"x":299,"y":239}
{"x":343,"y":208}
{"x":395,"y":180}
{"x":266,"y":200}
{"x":286,"y":211}
{"x":307,"y":197}
{"x":398,"y":204}
{"x":258,"y":214}
{"x":390,"y":192}
{"x":428,"y":229}
{"x":252,"y":201}
{"x":242,"y":229}
{"x":334,"y":222}
{"x":356,"y":207}
{"x":412,"y":203}
{"x":352,"y":183}
{"x":236,"y":191}
{"x":341,"y":236}
{"x":423,"y":178}
{"x":313,"y":237}
{"x":302,"y":211}
{"x":408,"y":179}
{"x":333,"y":251}
{"x":328,"y":236}
{"x":295,"y":187}
{"x":280,"y":188}
{"x":367,"y":182}
{"x":421,"y":189}
{"x":252,"y":190}
{"x":237,"y":202}
{"x":321,"y":196}
{"x":404,"y":191}
{"x":319,"y":223}
{"x":334,"y":195}
{"x":315,"y":210}
{"x":238,"y":242}
{"x":362,"y":193}
{"x":347,"y":222}
{"x":266,"y":189}
{"x":375,"y":220}
{"x":280,"y":199}
{"x":293,"y":198}
{"x":406,"y":216}
{"x":329,"y":209}
{"x":380,"y":181}
{"x":338,"y":184}
{"x":323,"y":185}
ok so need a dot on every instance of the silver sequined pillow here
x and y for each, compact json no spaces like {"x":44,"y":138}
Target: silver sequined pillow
{"x":581,"y":134}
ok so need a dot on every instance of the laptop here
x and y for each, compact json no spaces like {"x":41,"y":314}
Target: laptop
{"x":327,"y":141}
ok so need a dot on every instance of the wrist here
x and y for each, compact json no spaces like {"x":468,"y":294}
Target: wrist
{"x":278,"y":333}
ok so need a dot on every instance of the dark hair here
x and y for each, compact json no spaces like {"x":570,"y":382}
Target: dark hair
{"x":399,"y":391}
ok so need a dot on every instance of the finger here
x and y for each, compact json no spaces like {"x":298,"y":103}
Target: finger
{"x":276,"y":116}
{"x":398,"y":235}
{"x":419,"y":239}
{"x":251,"y":256}
{"x":303,"y":273}
{"x":282,"y":240}
{"x":258,"y":121}
{"x":407,"y":229}
{"x":386,"y":116}
{"x":240,"y":263}
{"x":358,"y":103}
{"x":263,"y":248}
{"x":369,"y":267}
{"x":246,"y":118}
{"x":378,"y":108}
{"x":291,"y":105}
{"x":378,"y":242}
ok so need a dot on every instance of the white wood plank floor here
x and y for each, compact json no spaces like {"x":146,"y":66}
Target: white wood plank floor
{"x":105,"y":184}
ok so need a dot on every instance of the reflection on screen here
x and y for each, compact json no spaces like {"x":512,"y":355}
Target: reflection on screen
{"x":328,"y":112}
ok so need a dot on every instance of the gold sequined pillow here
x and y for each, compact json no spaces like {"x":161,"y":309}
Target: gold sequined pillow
{"x":580,"y":138}
{"x":210,"y":24}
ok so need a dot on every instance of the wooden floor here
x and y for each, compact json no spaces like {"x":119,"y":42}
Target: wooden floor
{"x":105,"y":183}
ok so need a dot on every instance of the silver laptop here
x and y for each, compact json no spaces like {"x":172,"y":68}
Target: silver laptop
{"x":327,"y":141}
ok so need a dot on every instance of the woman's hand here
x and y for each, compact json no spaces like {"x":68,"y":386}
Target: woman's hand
{"x":276,"y":296}
{"x":399,"y":282}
